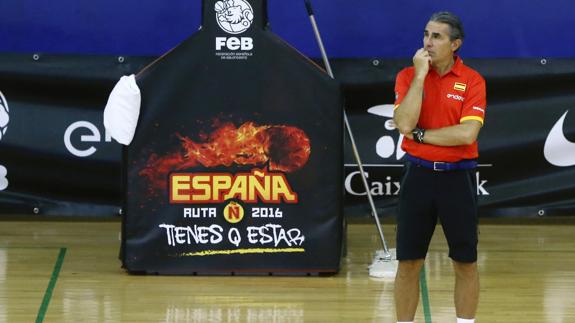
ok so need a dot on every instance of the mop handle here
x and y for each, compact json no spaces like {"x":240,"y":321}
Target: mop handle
{"x":347,"y":125}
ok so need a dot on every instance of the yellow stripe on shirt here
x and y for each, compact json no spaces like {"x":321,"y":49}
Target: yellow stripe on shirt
{"x":480,"y":119}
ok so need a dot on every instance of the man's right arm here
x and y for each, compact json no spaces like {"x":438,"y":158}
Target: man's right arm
{"x":406,"y":114}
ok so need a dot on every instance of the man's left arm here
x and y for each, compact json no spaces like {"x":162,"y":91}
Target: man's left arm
{"x":464,"y":133}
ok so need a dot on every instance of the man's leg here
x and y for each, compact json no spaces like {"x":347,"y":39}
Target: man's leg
{"x":457,"y":207}
{"x":466,"y":294}
{"x":407,"y":289}
{"x":416,"y":222}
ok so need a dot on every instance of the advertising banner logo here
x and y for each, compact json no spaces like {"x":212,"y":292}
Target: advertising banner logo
{"x":3,"y":178}
{"x":273,"y":151}
{"x":93,"y":136}
{"x":4,"y":116}
{"x":558,"y":150}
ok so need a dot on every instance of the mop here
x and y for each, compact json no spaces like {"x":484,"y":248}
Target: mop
{"x":384,"y":264}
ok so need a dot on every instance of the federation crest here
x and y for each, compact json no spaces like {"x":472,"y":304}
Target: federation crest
{"x":234,"y":16}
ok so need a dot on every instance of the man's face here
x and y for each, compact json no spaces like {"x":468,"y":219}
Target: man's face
{"x":436,"y":41}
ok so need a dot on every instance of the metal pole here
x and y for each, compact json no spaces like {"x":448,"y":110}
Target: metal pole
{"x":387,"y":255}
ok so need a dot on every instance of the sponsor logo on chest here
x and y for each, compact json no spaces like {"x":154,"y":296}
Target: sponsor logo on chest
{"x":455,"y":97}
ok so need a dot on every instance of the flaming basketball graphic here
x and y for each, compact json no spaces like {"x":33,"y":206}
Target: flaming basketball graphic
{"x":279,"y":147}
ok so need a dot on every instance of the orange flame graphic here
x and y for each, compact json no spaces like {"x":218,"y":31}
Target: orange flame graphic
{"x":282,"y":148}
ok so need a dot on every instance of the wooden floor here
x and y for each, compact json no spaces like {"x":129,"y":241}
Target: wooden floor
{"x":70,"y":272}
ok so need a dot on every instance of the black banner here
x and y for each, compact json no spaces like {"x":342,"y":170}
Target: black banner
{"x":236,"y":164}
{"x":56,"y":103}
{"x":55,"y":153}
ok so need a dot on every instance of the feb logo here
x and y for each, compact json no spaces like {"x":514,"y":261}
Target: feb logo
{"x":4,"y":117}
{"x":234,"y":16}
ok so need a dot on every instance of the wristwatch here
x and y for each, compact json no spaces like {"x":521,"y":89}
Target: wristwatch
{"x":418,"y":134}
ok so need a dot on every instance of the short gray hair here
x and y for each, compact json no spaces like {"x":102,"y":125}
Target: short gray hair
{"x":453,"y":21}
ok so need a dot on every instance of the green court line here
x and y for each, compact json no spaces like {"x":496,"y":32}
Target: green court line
{"x":51,"y":285}
{"x":424,"y":295}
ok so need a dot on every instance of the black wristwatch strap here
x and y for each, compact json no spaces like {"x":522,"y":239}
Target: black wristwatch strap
{"x":418,"y":135}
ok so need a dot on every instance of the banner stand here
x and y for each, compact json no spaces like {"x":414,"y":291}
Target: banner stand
{"x":236,"y":166}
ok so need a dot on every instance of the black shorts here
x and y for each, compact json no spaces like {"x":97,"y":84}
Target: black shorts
{"x":427,"y":195}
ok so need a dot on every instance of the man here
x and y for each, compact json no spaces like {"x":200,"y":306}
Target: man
{"x":440,"y":107}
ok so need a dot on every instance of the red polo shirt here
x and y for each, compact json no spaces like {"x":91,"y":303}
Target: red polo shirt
{"x":448,"y":100}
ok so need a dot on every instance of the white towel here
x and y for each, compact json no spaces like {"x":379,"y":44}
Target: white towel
{"x":123,"y":110}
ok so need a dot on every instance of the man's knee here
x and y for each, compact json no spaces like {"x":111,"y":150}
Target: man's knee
{"x":409,"y":268}
{"x":465,"y":269}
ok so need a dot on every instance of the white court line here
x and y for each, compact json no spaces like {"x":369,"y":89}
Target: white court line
{"x":400,"y":165}
{"x":375,"y":165}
